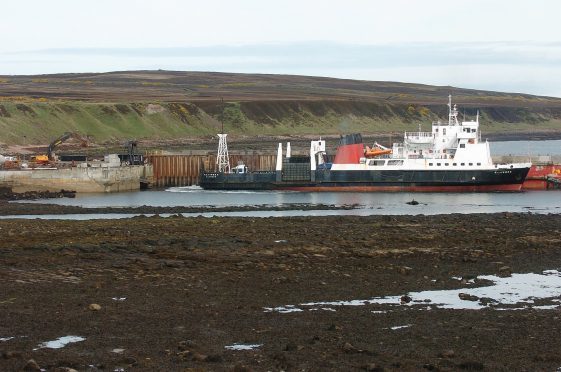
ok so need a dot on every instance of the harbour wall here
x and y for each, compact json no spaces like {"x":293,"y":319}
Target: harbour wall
{"x":184,"y":169}
{"x":83,"y":179}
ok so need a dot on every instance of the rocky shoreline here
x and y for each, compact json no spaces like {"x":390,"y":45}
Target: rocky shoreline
{"x":152,"y":293}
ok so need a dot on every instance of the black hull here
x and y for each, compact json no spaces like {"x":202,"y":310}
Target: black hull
{"x":372,"y":180}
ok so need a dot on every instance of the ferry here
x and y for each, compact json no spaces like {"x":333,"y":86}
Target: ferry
{"x":450,"y":158}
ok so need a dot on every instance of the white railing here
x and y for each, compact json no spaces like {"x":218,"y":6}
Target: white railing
{"x":418,"y":134}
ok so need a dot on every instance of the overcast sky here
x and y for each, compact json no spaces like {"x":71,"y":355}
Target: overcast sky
{"x":500,"y":45}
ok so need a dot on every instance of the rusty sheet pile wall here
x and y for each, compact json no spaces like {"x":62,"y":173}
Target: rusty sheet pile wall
{"x":183,"y":170}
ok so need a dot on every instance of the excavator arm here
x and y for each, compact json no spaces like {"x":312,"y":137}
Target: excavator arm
{"x":53,"y":145}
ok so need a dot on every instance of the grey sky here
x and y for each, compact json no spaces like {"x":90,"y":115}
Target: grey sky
{"x":498,"y":45}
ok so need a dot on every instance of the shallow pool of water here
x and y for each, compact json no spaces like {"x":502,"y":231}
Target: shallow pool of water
{"x":517,"y":292}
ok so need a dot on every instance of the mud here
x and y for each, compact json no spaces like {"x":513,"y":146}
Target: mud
{"x":174,"y":294}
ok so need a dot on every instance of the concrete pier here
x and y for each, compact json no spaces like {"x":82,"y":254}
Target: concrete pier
{"x":83,"y":179}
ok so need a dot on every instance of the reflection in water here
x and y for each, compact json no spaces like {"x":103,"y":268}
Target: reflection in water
{"x":519,"y":291}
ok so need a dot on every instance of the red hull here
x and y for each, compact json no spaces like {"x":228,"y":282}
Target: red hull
{"x":466,"y":188}
{"x":537,"y":177}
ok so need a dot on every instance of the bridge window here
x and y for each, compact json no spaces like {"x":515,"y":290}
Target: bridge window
{"x":462,"y":145}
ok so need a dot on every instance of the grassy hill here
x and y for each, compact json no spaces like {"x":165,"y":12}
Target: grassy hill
{"x":160,"y":105}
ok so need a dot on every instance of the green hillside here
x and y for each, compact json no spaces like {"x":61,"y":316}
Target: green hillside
{"x":172,"y":105}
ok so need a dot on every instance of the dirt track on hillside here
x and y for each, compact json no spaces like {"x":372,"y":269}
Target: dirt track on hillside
{"x":174,"y":292}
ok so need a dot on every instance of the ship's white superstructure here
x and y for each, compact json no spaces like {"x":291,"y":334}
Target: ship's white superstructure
{"x":453,"y":145}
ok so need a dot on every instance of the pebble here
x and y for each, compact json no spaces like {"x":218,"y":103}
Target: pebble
{"x":94,"y":307}
{"x":405,"y":299}
{"x":349,"y":348}
{"x":31,"y":365}
{"x":505,"y":271}
{"x":467,"y":297}
{"x":447,"y":354}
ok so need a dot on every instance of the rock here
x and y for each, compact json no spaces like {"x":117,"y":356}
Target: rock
{"x":241,"y":368}
{"x":199,"y":357}
{"x":65,"y":369}
{"x":186,"y":345}
{"x":406,"y":270}
{"x":334,"y":327}
{"x":487,"y":300}
{"x":413,"y":202}
{"x":11,"y":354}
{"x":471,"y":365}
{"x":214,"y":359}
{"x":94,"y":307}
{"x":430,"y":367}
{"x":373,"y":367}
{"x":447,"y":354}
{"x":184,"y":355}
{"x":129,"y":361}
{"x":291,"y":346}
{"x":31,"y":365}
{"x":405,"y":299}
{"x":467,"y":297}
{"x":505,"y":271}
{"x":349,"y":348}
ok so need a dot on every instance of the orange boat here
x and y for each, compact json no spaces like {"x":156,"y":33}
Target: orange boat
{"x":373,"y":152}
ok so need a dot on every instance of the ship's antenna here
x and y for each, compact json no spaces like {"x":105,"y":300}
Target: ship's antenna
{"x":222,"y":158}
{"x":449,"y":109}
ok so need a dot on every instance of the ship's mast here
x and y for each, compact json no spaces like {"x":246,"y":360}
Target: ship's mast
{"x":222,"y":159}
{"x":452,"y":112}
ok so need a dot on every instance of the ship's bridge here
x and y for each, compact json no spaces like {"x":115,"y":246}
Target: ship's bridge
{"x":468,"y":130}
{"x":419,"y":137}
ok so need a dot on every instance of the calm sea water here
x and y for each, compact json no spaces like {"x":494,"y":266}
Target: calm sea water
{"x":552,"y":147}
{"x":366,"y":203}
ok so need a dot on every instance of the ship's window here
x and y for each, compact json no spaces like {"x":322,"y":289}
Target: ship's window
{"x":430,"y":164}
{"x":463,"y":164}
{"x":436,"y":130}
{"x":462,"y":145}
{"x":470,"y":163}
{"x":446,"y":164}
{"x":454,"y":164}
{"x":473,"y":131}
{"x":438,"y":164}
{"x":444,"y":140}
{"x":395,"y":162}
{"x":377,"y":163}
{"x":478,"y":163}
{"x":444,"y":131}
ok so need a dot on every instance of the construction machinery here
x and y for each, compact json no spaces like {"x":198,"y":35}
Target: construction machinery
{"x":50,"y":155}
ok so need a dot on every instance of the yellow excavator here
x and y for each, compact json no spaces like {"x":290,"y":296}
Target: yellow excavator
{"x":44,"y":159}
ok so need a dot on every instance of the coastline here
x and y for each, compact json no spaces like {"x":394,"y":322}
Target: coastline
{"x":175,"y":293}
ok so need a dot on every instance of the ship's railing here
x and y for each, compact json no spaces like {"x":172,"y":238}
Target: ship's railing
{"x":419,"y":134}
